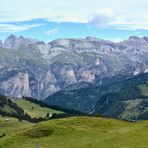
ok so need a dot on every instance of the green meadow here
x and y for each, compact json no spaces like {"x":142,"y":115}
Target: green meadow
{"x":33,"y":109}
{"x":74,"y":132}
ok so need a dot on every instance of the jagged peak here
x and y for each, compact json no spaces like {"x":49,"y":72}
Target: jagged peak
{"x":90,"y":38}
{"x":12,"y":36}
{"x":134,"y":37}
{"x":1,"y":43}
{"x":21,"y":37}
{"x":145,"y":38}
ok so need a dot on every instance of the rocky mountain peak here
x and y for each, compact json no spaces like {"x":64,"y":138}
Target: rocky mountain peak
{"x":57,"y":64}
{"x":21,"y":37}
{"x":14,"y":42}
{"x":145,"y":38}
{"x":89,"y":38}
{"x":135,"y":43}
{"x":10,"y":41}
{"x":134,"y":38}
{"x":12,"y":36}
{"x":65,"y":43}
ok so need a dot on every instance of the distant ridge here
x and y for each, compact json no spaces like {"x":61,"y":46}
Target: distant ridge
{"x":37,"y":69}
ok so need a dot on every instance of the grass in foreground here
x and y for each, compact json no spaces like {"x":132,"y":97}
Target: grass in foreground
{"x":33,"y":109}
{"x":12,"y":126}
{"x":80,"y":132}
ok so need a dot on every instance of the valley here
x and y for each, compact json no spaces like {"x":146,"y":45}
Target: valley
{"x":123,"y":98}
{"x":73,"y":74}
{"x":76,"y":93}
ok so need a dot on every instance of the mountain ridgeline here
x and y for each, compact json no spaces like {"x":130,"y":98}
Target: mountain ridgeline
{"x":36,"y":69}
{"x":91,"y":75}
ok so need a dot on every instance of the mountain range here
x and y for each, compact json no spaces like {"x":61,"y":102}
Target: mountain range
{"x":37,"y":69}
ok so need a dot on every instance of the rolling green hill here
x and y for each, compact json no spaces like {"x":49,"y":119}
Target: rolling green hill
{"x":76,"y":132}
{"x":12,"y":125}
{"x":9,"y":108}
{"x":34,"y":109}
{"x":29,"y":109}
{"x":73,"y":132}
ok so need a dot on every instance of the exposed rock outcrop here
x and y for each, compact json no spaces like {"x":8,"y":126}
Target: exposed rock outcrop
{"x":34,"y":68}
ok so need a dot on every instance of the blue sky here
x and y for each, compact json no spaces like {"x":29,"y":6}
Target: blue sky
{"x":51,"y":19}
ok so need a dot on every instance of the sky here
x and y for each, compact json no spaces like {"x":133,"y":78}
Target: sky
{"x":47,"y":20}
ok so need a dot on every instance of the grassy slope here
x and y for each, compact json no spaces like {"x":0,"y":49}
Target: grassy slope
{"x":132,"y":106}
{"x":8,"y":109}
{"x":12,"y":126}
{"x":80,"y":132}
{"x":144,"y":89}
{"x":37,"y":110}
{"x":132,"y":109}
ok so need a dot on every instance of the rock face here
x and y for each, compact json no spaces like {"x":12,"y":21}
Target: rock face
{"x":34,"y":68}
{"x":1,"y":44}
{"x":18,"y":85}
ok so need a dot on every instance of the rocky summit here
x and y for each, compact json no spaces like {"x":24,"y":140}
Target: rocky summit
{"x":34,"y":68}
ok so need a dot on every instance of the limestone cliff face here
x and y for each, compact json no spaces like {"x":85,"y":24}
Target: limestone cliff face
{"x":17,"y":86}
{"x":34,"y":68}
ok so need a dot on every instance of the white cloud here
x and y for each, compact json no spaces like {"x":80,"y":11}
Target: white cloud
{"x":106,"y":18}
{"x":59,"y":10}
{"x":52,"y":31}
{"x":102,"y":18}
{"x":16,"y":28}
{"x":79,"y":11}
{"x":131,"y":25}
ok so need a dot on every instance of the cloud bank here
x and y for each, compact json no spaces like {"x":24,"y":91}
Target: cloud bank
{"x":16,"y":28}
{"x":113,"y":13}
